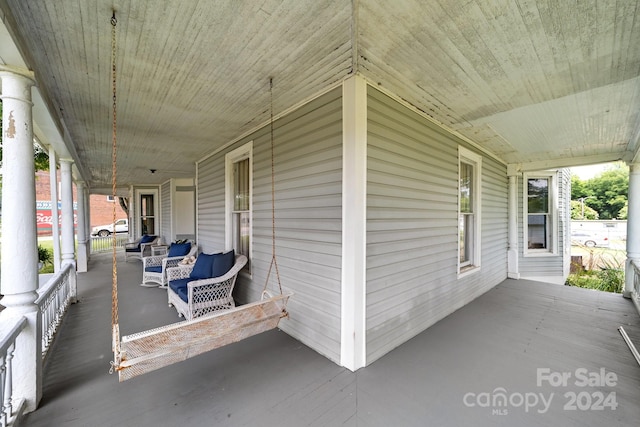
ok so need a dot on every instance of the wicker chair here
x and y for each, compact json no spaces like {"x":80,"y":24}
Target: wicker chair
{"x":195,"y":297}
{"x":140,"y":247}
{"x":154,"y":268}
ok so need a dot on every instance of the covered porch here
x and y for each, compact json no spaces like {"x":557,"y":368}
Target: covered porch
{"x":504,"y":342}
{"x":406,"y":138}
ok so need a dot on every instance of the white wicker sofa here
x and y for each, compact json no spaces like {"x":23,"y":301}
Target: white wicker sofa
{"x":154,"y":268}
{"x":193,"y":295}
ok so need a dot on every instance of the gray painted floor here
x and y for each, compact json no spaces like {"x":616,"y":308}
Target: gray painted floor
{"x":453,"y":374}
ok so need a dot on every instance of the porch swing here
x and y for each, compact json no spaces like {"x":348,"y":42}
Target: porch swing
{"x":147,"y":351}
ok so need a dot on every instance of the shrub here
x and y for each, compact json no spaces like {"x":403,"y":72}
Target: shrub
{"x":45,"y":256}
{"x":610,"y":278}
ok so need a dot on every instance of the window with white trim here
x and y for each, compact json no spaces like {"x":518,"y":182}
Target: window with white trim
{"x":469,"y":174}
{"x":539,"y":213}
{"x":238,"y":206}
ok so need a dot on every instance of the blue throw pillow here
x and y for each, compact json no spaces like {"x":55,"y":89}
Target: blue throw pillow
{"x":146,"y":239}
{"x":223,"y":263}
{"x":179,"y":249}
{"x":202,"y":267}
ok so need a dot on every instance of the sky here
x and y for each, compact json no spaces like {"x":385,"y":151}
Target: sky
{"x":588,"y":172}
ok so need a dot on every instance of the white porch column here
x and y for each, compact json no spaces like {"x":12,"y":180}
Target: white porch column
{"x":19,"y":281}
{"x":87,"y":221}
{"x":55,"y":213}
{"x":132,"y":220}
{"x":68,"y":232}
{"x":81,"y":230}
{"x":354,"y":224}
{"x":513,"y":270}
{"x":633,"y":227}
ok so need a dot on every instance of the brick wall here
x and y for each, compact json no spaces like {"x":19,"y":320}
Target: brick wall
{"x":101,"y":208}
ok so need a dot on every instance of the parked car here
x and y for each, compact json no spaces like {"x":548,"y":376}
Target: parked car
{"x":590,"y":240}
{"x":120,"y":226}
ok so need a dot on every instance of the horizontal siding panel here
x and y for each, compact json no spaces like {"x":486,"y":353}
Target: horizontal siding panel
{"x":308,"y":204}
{"x":412,"y":225}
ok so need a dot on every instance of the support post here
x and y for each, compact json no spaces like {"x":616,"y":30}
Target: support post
{"x":81,"y":230}
{"x":513,"y":271}
{"x":633,"y":228}
{"x":55,"y":213}
{"x":68,"y":232}
{"x":354,"y":223}
{"x":19,"y":281}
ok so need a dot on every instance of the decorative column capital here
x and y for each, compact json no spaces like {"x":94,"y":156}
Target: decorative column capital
{"x":12,"y":71}
{"x":514,"y":169}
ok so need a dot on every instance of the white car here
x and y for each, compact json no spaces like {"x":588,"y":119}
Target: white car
{"x":589,"y":240}
{"x":120,"y":226}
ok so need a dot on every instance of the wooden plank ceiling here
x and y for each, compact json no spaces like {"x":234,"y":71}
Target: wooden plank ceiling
{"x":529,"y":80}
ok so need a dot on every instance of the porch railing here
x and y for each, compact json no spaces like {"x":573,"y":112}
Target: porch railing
{"x":53,"y":301}
{"x":103,"y":244}
{"x":635,"y":295}
{"x":10,"y":405}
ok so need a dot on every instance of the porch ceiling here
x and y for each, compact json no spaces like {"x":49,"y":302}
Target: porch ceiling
{"x":530,"y":81}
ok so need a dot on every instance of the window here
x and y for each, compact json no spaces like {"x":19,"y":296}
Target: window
{"x":110,"y":199}
{"x":147,"y":213}
{"x":239,"y":192}
{"x":468,"y":210}
{"x":539,"y":227}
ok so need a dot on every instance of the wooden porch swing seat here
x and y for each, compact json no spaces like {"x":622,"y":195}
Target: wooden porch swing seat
{"x":150,"y":350}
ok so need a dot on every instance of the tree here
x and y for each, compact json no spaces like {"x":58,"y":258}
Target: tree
{"x":578,"y":188}
{"x":606,"y":193}
{"x":610,"y":190}
{"x":577,"y":211}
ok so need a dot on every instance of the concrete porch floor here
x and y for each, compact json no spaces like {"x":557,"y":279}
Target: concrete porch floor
{"x":501,"y":344}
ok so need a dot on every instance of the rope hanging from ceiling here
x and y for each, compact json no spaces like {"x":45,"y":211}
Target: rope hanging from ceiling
{"x":146,"y":351}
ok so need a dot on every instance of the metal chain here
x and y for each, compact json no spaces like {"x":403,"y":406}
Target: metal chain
{"x":114,"y":282}
{"x":274,"y":262}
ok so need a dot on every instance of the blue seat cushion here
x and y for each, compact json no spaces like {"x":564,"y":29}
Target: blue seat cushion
{"x":223,"y":263}
{"x":154,"y":269}
{"x":179,"y":286}
{"x":203,"y":266}
{"x":179,"y":249}
{"x":136,"y":249}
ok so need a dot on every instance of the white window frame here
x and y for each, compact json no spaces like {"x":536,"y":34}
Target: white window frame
{"x":241,"y":153}
{"x":473,"y":265}
{"x":157,"y":220}
{"x":552,"y":215}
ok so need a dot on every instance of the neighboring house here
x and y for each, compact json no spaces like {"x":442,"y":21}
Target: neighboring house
{"x":101,"y":206}
{"x":383,"y":226}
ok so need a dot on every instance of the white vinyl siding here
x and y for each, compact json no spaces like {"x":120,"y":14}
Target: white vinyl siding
{"x":412,"y":225}
{"x":308,"y":201}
